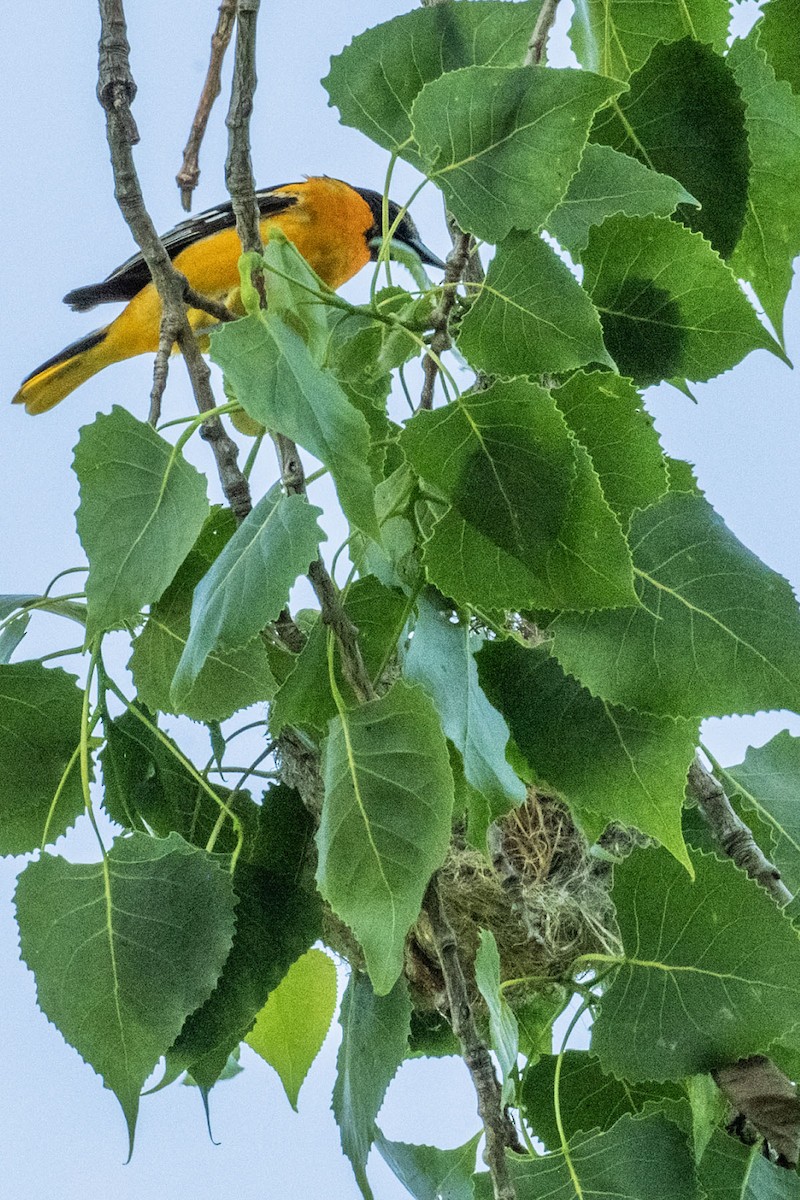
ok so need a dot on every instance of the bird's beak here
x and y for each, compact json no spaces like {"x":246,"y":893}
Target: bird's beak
{"x":426,"y":256}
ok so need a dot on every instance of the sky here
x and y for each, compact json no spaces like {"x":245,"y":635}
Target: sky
{"x":60,"y":1132}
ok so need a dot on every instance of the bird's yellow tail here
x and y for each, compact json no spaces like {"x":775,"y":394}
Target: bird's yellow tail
{"x":59,"y":376}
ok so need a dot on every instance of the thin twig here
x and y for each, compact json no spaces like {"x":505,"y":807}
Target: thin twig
{"x":457,"y":261}
{"x":189,"y":174}
{"x":332,"y":610}
{"x":733,"y":835}
{"x":116,"y":90}
{"x":541,"y":32}
{"x":238,"y":164}
{"x":499,"y":1130}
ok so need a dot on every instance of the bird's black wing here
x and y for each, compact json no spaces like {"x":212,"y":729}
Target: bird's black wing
{"x":133,"y":275}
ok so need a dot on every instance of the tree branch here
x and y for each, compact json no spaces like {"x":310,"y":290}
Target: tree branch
{"x":116,"y":90}
{"x":457,"y":261}
{"x":541,"y":32}
{"x":238,"y":164}
{"x":732,"y":834}
{"x":500,"y":1132}
{"x":332,"y":610}
{"x":189,"y":174}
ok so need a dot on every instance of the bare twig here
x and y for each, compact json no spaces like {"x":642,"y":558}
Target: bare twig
{"x":541,"y":32}
{"x":189,"y":174}
{"x":332,"y":610}
{"x":116,"y":89}
{"x":499,"y":1130}
{"x":457,"y":261}
{"x":238,"y":164}
{"x":732,"y":834}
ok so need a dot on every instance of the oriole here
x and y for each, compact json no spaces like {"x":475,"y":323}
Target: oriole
{"x":333,"y":225}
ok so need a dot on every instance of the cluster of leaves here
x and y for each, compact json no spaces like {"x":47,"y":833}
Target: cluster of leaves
{"x":667,"y":168}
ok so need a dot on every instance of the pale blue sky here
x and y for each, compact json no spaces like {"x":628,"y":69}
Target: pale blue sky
{"x":60,"y":1132}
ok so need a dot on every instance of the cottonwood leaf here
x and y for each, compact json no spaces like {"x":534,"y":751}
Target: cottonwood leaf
{"x":731,"y":1171}
{"x":441,"y":659}
{"x":484,"y":132}
{"x":771,"y":236}
{"x":589,"y":1099}
{"x":588,"y":567}
{"x":606,"y":414}
{"x":610,"y":182}
{"x":276,"y":922}
{"x":229,"y":679}
{"x":374,"y":1040}
{"x":769,"y":779}
{"x":148,"y":787}
{"x":638,"y":1157}
{"x":11,"y":636}
{"x":777,"y":34}
{"x":124,"y":950}
{"x":716,"y":632}
{"x":503,"y":1028}
{"x":385,"y":824}
{"x":142,"y":506}
{"x":531,"y":315}
{"x":505,"y":459}
{"x":248,"y":584}
{"x":429,"y":1173}
{"x":40,"y":731}
{"x":615,"y":37}
{"x":669,"y":307}
{"x":375,"y":80}
{"x":305,"y":698}
{"x":293,"y":1024}
{"x":684,"y":116}
{"x":274,"y":376}
{"x":709,"y":973}
{"x":609,"y":764}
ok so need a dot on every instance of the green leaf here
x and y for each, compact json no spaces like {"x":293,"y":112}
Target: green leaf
{"x":293,"y":1024}
{"x":668,"y":304}
{"x":249,"y":583}
{"x":589,"y":1099}
{"x":503,"y":1028}
{"x":124,"y":950}
{"x":40,"y":730}
{"x":769,"y":779}
{"x":484,"y":132}
{"x":615,"y":37}
{"x":142,"y":506}
{"x":531,"y":315}
{"x":11,"y":636}
{"x":639,"y":1157}
{"x":148,"y":787}
{"x":10,"y":603}
{"x":505,"y":460}
{"x":375,"y":80}
{"x":609,"y":182}
{"x":606,"y":415}
{"x":428,"y":1173}
{"x":229,"y":679}
{"x":717,"y":631}
{"x":374,"y":1040}
{"x":305,"y":698}
{"x":385,"y":824}
{"x":588,"y":566}
{"x":709,"y":974}
{"x":777,"y":34}
{"x":440,"y":658}
{"x":771,"y":236}
{"x":731,"y":1171}
{"x":609,"y":764}
{"x":276,"y":380}
{"x":693,"y":130}
{"x":275,"y":923}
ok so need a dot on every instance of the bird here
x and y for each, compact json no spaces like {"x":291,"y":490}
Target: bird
{"x":336,"y":227}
